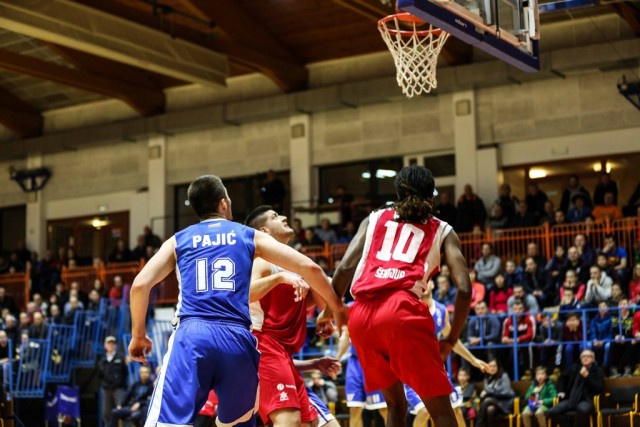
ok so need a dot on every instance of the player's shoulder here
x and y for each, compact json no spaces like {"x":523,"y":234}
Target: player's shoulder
{"x":263,"y":266}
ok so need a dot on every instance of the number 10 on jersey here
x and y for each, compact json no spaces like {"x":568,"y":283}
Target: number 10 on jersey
{"x":222,"y":272}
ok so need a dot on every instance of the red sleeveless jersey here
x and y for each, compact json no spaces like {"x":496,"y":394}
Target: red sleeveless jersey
{"x":277,"y":314}
{"x":398,"y":255}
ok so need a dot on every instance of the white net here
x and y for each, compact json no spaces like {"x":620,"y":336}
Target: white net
{"x":415,"y":53}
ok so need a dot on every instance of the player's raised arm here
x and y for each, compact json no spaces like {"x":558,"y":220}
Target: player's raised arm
{"x":290,"y":259}
{"x":263,"y":280}
{"x":460,"y":275}
{"x":158,"y":267}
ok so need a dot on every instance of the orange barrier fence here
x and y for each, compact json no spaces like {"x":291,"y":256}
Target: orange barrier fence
{"x":507,"y":243}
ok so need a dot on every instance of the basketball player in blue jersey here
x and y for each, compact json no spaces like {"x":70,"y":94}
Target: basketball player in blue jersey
{"x":442,"y":326}
{"x":212,"y":346}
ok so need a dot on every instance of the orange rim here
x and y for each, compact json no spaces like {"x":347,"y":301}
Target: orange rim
{"x":407,"y":18}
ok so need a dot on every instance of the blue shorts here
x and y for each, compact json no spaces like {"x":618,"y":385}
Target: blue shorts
{"x":201,"y":356}
{"x":354,"y":388}
{"x":416,"y":404}
{"x":324,"y":415}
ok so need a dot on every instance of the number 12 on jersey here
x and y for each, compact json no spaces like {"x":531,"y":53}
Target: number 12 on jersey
{"x":222,"y":272}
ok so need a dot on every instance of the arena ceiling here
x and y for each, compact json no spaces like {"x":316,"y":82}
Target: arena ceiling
{"x":58,"y":53}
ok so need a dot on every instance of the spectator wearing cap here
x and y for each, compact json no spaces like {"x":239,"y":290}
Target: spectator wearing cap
{"x":580,"y":211}
{"x":112,"y":371}
{"x":568,"y":202}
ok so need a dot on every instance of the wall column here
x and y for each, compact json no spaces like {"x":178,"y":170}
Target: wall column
{"x":36,"y":221}
{"x":158,"y":220}
{"x":300,"y":152}
{"x":464,"y":134}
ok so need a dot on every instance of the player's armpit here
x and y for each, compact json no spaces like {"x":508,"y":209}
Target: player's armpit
{"x":347,"y":268}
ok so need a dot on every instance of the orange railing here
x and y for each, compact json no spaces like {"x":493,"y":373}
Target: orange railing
{"x":508,"y":243}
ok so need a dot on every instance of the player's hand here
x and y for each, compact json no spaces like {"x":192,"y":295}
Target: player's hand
{"x":482,"y":365}
{"x":328,"y":366}
{"x":445,"y":348}
{"x":324,"y":323}
{"x":341,"y":317}
{"x":300,"y":287}
{"x":139,"y":348}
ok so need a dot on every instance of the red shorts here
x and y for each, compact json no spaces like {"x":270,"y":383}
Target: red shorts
{"x":281,"y":385}
{"x":394,"y":335}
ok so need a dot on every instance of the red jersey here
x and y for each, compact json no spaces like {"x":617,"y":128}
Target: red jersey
{"x":526,"y":327}
{"x":280,"y":317}
{"x":398,"y":255}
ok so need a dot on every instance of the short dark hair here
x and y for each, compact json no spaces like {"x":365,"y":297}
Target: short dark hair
{"x":541,"y":368}
{"x":414,"y":186}
{"x":574,"y":315}
{"x":205,"y":194}
{"x":518,"y":301}
{"x":257,"y":217}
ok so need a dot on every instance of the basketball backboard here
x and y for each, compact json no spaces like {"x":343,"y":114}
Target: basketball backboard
{"x":506,"y":29}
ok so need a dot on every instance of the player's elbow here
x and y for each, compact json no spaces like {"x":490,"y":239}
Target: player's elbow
{"x":311,"y":269}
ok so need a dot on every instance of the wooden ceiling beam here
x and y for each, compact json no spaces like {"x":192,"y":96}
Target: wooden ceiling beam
{"x":145,"y":101}
{"x":629,"y":13}
{"x":289,"y":75}
{"x":18,"y":116}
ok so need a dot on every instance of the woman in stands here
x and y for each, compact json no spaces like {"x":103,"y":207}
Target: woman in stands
{"x":496,"y":398}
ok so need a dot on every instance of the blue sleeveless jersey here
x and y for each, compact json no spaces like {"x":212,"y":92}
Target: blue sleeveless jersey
{"x":439,"y":313}
{"x":214,"y":271}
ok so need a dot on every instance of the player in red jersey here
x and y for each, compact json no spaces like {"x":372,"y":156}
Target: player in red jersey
{"x":279,"y":320}
{"x":391,"y":259}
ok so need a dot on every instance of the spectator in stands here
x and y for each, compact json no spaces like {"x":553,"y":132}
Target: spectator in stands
{"x":498,"y":220}
{"x":548,"y":215}
{"x":273,"y":192}
{"x":298,"y":233}
{"x":99,"y":287}
{"x":636,"y":335}
{"x":55,"y":316}
{"x":140,"y":251}
{"x":605,"y":185}
{"x":572,"y":338}
{"x":447,"y":211}
{"x":12,"y":329}
{"x":310,"y":239}
{"x":82,"y":295}
{"x":471,"y":211}
{"x":343,"y":200}
{"x":39,"y":274}
{"x":478,"y":290}
{"x":488,"y":265}
{"x":538,"y":398}
{"x":112,"y":371}
{"x":4,"y":266}
{"x":616,"y":295}
{"x":609,"y":211}
{"x":529,"y":301}
{"x":6,"y":354}
{"x":6,"y":301}
{"x":71,"y":258}
{"x":151,"y":239}
{"x":580,"y":210}
{"x":120,"y":253}
{"x":94,"y":301}
{"x":31,"y":309}
{"x":577,"y":386}
{"x":15,"y":265}
{"x":560,"y":217}
{"x":61,"y":294}
{"x":325,"y":390}
{"x":499,"y":296}
{"x":600,"y":334}
{"x":70,"y":315}
{"x":533,"y":252}
{"x":568,"y":202}
{"x":506,"y":201}
{"x":624,"y":348}
{"x":547,"y":335}
{"x":598,"y":287}
{"x":523,"y":331}
{"x":633,"y":204}
{"x":575,"y":264}
{"x":569,"y":303}
{"x":41,"y":306}
{"x":73,"y":293}
{"x":325,"y":232}
{"x":348,"y":233}
{"x":571,"y":282}
{"x":524,"y":217}
{"x":468,"y":393}
{"x":135,"y":403}
{"x":24,"y":254}
{"x":482,"y":330}
{"x":535,"y":200}
{"x":445,"y":294}
{"x":38,"y":329}
{"x":537,"y":284}
{"x":116,"y":292}
{"x":512,"y":275}
{"x":555,"y":264}
{"x":496,"y":398}
{"x":24,"y":322}
{"x":617,"y":257}
{"x":634,"y":285}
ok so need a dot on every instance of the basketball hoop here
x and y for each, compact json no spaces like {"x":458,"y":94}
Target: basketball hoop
{"x":415,"y":51}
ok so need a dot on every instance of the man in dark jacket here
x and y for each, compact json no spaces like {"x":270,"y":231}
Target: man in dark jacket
{"x":113,"y":376}
{"x":537,"y":284}
{"x":136,"y":402}
{"x":577,"y":387}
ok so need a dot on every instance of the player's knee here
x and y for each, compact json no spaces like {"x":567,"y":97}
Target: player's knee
{"x":286,"y":418}
{"x":355,"y":411}
{"x":422,"y":416}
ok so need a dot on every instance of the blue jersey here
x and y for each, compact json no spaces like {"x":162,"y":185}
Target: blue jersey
{"x":214,"y":271}
{"x":439,"y":314}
